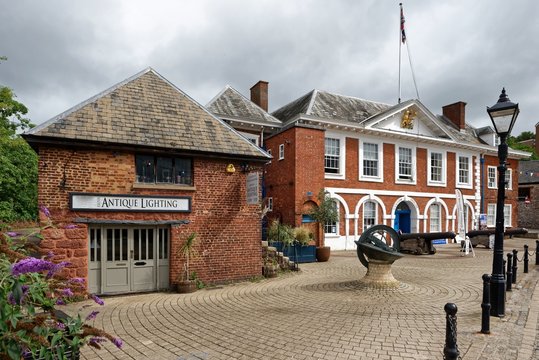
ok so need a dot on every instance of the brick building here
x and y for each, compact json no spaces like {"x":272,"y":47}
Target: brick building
{"x":137,"y":169}
{"x":396,"y":165}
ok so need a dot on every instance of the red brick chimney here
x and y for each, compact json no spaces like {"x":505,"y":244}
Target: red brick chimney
{"x":259,"y":94}
{"x":455,"y":113}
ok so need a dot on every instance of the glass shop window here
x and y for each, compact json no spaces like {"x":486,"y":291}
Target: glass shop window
{"x":163,"y":170}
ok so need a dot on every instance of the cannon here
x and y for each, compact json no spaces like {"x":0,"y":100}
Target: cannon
{"x":481,"y":237}
{"x":421,"y":243}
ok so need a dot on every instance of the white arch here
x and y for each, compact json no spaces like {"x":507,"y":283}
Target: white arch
{"x":415,"y":208}
{"x":361,"y":201}
{"x":439,"y":201}
{"x":470,"y":213}
{"x":347,"y":242}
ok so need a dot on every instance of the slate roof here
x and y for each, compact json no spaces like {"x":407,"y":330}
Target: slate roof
{"x":146,"y":110}
{"x":330,"y":106}
{"x":528,"y":172}
{"x":231,"y":104}
{"x":467,"y":136}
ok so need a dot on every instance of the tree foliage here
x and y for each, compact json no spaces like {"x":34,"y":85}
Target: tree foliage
{"x":18,"y":162}
{"x":514,"y":143}
{"x":326,"y":212}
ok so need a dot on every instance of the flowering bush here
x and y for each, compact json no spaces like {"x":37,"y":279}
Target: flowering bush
{"x":31,"y":292}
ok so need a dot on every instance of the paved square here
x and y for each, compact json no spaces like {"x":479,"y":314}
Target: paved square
{"x":323,"y":312}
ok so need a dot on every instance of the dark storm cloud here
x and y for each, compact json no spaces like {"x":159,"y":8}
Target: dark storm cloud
{"x":62,"y":52}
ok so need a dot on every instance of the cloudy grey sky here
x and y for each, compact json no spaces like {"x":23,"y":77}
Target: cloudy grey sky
{"x":61,"y":52}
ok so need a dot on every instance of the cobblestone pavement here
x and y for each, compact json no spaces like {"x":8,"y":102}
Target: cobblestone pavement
{"x":323,"y":312}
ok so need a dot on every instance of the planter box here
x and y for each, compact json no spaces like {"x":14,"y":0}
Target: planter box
{"x":304,"y":254}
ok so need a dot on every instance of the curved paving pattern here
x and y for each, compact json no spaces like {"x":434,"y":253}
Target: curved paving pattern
{"x":322,"y":312}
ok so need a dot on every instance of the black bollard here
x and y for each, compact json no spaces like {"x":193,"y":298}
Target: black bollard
{"x":504,"y":274}
{"x":509,"y":272}
{"x":515,"y":267}
{"x":485,"y":305}
{"x":451,"y":349}
{"x":526,"y":258}
{"x":536,"y":252}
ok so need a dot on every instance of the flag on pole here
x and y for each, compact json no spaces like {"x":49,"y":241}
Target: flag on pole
{"x":403,"y":33}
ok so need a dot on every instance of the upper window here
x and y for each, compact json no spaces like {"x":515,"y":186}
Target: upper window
{"x":369,"y":214}
{"x":435,"y":218}
{"x":254,"y":138}
{"x":281,"y":151}
{"x":436,"y":170}
{"x":405,"y":164}
{"x":332,"y":156}
{"x":508,"y":179}
{"x":370,"y":161}
{"x":492,"y":177}
{"x":507,"y":215}
{"x":163,"y":170}
{"x":464,"y":171}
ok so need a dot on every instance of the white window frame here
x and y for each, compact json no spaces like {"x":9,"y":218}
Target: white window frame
{"x":375,"y":217}
{"x":380,"y":152}
{"x":509,"y":179}
{"x":270,"y":204}
{"x":469,"y":183}
{"x":491,"y":215}
{"x":281,"y":151}
{"x":251,"y":137}
{"x":494,"y":183}
{"x":507,"y":215}
{"x":336,"y":226}
{"x":431,"y":182}
{"x":342,"y":156}
{"x":438,"y":218}
{"x":413,"y":179}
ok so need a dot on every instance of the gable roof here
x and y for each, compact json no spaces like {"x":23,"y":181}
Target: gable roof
{"x":326,"y":105}
{"x":146,"y":110}
{"x":231,"y":104}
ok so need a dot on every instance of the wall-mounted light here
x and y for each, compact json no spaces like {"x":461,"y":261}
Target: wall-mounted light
{"x":230,"y":169}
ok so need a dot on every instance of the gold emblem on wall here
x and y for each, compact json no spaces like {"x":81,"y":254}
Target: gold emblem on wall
{"x":407,"y":121}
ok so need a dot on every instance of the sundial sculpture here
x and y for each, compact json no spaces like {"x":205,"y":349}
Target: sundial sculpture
{"x":377,"y":256}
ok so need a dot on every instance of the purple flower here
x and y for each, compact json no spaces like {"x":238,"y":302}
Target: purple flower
{"x":92,"y":315}
{"x":11,"y":299}
{"x":31,"y":264}
{"x":118,"y":342}
{"x":12,"y":233}
{"x":60,"y":302}
{"x":77,"y":280}
{"x":97,"y":299}
{"x":44,"y":210}
{"x":49,"y":255}
{"x":60,"y":326}
{"x":70,"y":226}
{"x":67,"y":292}
{"x":55,"y":268}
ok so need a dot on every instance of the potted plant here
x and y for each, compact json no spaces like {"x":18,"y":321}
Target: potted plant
{"x":187,"y":251}
{"x":325,"y":212}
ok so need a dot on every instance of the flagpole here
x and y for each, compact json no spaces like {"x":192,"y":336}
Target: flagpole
{"x":400,"y":51}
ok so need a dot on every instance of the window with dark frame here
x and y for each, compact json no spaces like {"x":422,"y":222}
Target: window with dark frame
{"x":163,"y":170}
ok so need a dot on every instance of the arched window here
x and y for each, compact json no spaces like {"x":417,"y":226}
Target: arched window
{"x":435,"y":218}
{"x":369,"y":214}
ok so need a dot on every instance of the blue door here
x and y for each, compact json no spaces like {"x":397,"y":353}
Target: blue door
{"x":402,"y":221}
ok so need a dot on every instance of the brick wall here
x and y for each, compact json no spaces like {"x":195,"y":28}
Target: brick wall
{"x":528,"y":212}
{"x":228,"y":229}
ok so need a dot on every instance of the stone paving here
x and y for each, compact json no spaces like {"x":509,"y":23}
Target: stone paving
{"x":323,"y":312}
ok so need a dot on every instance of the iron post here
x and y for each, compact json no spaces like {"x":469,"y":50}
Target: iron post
{"x":536,"y":252}
{"x":451,"y":349}
{"x":526,"y":258}
{"x":485,"y":305}
{"x":509,"y":272}
{"x":515,"y":267}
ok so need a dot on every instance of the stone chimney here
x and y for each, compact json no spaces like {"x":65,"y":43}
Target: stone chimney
{"x":455,"y":113}
{"x":259,"y":94}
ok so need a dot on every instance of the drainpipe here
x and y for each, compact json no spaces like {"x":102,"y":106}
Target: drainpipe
{"x":482,"y":160}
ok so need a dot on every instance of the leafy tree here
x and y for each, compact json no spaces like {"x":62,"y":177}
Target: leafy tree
{"x":525,"y":135}
{"x":514,"y":143}
{"x":18,"y":162}
{"x":327,"y":211}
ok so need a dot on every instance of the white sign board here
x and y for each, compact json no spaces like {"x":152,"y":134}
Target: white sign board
{"x":142,"y":203}
{"x":252,"y":188}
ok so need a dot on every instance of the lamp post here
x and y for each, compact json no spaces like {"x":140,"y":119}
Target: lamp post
{"x":503,"y":115}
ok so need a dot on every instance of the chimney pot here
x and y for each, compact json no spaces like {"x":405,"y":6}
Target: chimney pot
{"x":456,"y":113}
{"x":259,"y":94}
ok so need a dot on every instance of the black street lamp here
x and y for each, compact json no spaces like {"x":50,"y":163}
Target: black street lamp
{"x":503,"y":115}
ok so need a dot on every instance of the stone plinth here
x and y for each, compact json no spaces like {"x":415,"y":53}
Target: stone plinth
{"x":379,"y":275}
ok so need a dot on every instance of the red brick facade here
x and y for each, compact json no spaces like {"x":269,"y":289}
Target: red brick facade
{"x":228,"y":229}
